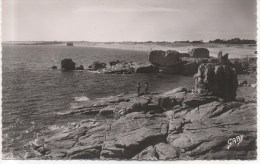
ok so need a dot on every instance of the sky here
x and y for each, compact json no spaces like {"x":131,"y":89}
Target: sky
{"x":127,"y":20}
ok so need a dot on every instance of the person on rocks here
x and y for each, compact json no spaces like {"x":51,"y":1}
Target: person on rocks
{"x":138,"y":89}
{"x":146,"y":88}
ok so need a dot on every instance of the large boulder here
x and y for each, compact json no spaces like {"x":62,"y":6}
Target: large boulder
{"x":164,"y":58}
{"x":199,"y":53}
{"x":68,"y":65}
{"x":220,"y":80}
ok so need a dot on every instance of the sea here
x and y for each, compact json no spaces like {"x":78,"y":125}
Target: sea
{"x":33,"y":93}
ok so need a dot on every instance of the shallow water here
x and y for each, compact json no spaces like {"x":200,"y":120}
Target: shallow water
{"x":33,"y":93}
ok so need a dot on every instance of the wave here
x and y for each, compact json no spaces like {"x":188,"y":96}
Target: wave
{"x":80,"y":99}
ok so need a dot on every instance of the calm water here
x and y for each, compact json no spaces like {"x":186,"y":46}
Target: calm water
{"x":33,"y":93}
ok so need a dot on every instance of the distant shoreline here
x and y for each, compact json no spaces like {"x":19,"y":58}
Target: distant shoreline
{"x":235,"y":50}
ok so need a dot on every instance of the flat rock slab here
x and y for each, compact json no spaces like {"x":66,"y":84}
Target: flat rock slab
{"x":121,"y":139}
{"x":202,"y":127}
{"x":218,"y":131}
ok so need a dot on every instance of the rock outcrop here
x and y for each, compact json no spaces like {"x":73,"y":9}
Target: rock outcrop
{"x":68,"y":65}
{"x":180,"y":124}
{"x":220,"y":80}
{"x":164,"y":58}
{"x":199,"y":53}
{"x":201,"y":128}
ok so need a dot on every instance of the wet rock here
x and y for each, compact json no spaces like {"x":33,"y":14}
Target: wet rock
{"x":199,"y":53}
{"x":67,"y":65}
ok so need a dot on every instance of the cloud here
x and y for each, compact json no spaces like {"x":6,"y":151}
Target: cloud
{"x":83,"y":10}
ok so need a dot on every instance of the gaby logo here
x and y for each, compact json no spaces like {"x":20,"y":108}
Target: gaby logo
{"x":235,"y":141}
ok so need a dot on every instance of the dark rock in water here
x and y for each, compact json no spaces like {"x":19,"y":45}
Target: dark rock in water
{"x":164,"y":58}
{"x":81,"y":67}
{"x":199,"y":53}
{"x":221,"y":80}
{"x":97,"y":65}
{"x":147,"y":69}
{"x":54,"y":67}
{"x":67,"y":65}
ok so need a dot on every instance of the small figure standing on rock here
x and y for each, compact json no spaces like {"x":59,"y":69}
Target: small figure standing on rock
{"x":146,"y":88}
{"x":138,"y":89}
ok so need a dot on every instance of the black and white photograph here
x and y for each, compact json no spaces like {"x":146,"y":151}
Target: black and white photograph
{"x":129,"y":80}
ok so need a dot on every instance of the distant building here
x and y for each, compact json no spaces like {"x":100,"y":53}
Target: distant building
{"x":69,"y":44}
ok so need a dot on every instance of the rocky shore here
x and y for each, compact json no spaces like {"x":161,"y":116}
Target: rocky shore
{"x":216,"y":119}
{"x":167,"y":62}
